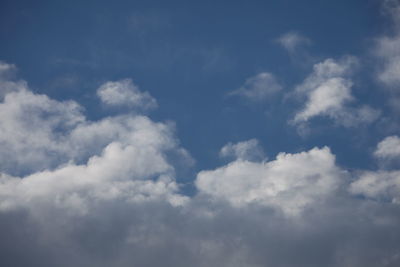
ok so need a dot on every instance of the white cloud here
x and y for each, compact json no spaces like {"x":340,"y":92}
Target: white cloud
{"x":328,"y":97}
{"x":52,"y":155}
{"x":292,"y":40}
{"x":120,"y":172}
{"x":388,"y":148}
{"x":379,"y":185}
{"x":33,"y":129}
{"x":125,"y":93}
{"x":291,"y":182}
{"x":38,"y":133}
{"x":245,"y":150}
{"x":327,"y":91}
{"x":382,"y":184}
{"x":259,"y":87}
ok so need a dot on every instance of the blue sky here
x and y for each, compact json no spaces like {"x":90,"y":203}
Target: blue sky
{"x":212,"y":133}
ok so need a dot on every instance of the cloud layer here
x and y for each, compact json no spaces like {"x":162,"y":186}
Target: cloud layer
{"x":77,"y":192}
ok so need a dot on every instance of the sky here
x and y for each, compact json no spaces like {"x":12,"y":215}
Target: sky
{"x":208,"y":133}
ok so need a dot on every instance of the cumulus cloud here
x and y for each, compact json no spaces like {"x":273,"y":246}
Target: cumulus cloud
{"x":327,"y":92}
{"x":245,"y":150}
{"x":53,"y":155}
{"x":292,"y":40}
{"x":259,"y":87}
{"x":291,"y":182}
{"x":126,"y":94}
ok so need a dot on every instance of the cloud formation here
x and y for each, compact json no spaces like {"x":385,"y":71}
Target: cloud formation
{"x":245,"y":150}
{"x":126,"y":94}
{"x":291,"y":182}
{"x":327,"y":92}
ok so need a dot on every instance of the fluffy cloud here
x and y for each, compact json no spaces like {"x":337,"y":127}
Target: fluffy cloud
{"x":125,"y":93}
{"x":33,"y":129}
{"x":291,"y":182}
{"x":327,"y":91}
{"x":388,"y":148}
{"x":259,"y":87}
{"x":52,"y":155}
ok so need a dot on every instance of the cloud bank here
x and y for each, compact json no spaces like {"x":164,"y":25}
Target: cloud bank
{"x":78,"y":192}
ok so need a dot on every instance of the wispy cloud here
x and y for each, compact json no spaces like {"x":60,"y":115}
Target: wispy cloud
{"x":259,"y":88}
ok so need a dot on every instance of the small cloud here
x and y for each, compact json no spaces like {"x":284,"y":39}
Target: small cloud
{"x":327,"y":92}
{"x":125,"y":93}
{"x":246,"y":150}
{"x":388,"y":148}
{"x":293,"y":40}
{"x":259,"y":87}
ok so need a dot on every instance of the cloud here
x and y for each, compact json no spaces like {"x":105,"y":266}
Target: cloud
{"x":78,"y":192}
{"x":291,"y":182}
{"x":388,"y":148}
{"x":126,"y":94}
{"x":260,"y":87}
{"x":245,"y":150}
{"x":382,"y":184}
{"x":7,"y":83}
{"x":378,"y":185}
{"x":388,"y":51}
{"x":327,"y":92}
{"x":388,"y":48}
{"x":291,"y":41}
{"x":33,"y":129}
